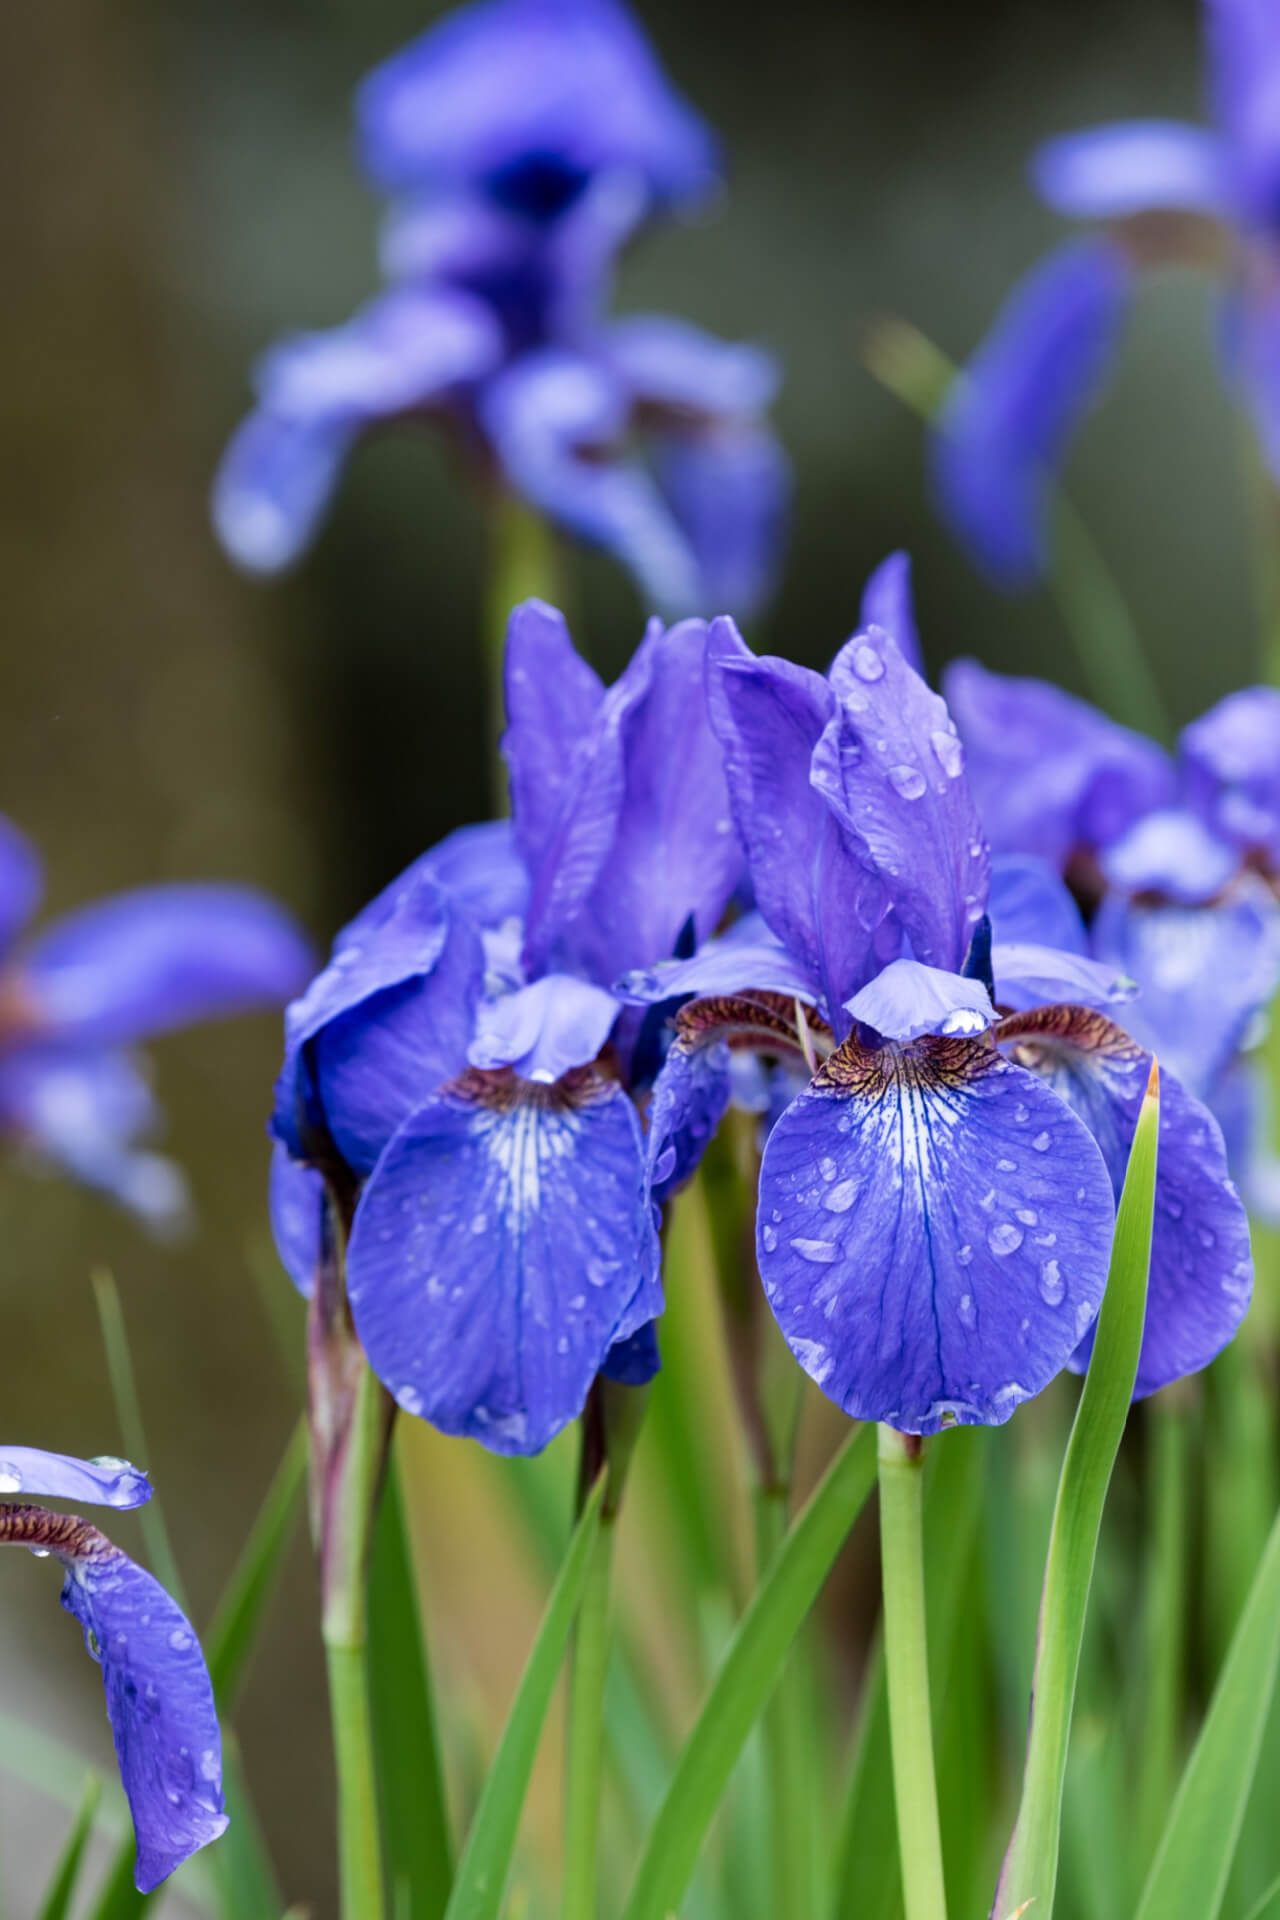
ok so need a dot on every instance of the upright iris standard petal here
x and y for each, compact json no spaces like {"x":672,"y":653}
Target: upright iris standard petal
{"x":296,"y":1202}
{"x":407,"y":350}
{"x":544,"y":1030}
{"x":1244,"y":50}
{"x":1030,"y":902}
{"x":907,"y":999}
{"x":728,"y":485}
{"x":1051,"y":774}
{"x":86,"y":1111}
{"x":1173,"y":853}
{"x":769,"y":716}
{"x":527,"y":100}
{"x":887,"y":603}
{"x":1006,"y":427}
{"x":394,"y":945}
{"x":21,"y":881}
{"x":502,"y":1245}
{"x":1252,"y":357}
{"x":159,"y":1703}
{"x":145,"y":962}
{"x":673,"y":365}
{"x":932,"y":1233}
{"x":1028,"y":975}
{"x":890,"y":766}
{"x":746,"y":956}
{"x":675,"y":861}
{"x":1231,"y":756}
{"x":1201,"y":1267}
{"x":104,"y":1481}
{"x":553,"y":700}
{"x":1205,"y":974}
{"x":1135,"y":166}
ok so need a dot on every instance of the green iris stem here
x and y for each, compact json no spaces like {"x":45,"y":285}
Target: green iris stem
{"x":901,"y":1478}
{"x":345,"y":1629}
{"x":790,"y":1746}
{"x":585,"y":1763}
{"x":1168,"y":1422}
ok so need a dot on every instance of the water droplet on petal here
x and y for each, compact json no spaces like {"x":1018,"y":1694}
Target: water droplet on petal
{"x":907,"y":781}
{"x":964,"y":1255}
{"x":1004,"y":1237}
{"x":967,"y":1311}
{"x":950,"y":753}
{"x":1053,"y":1288}
{"x":769,"y":1239}
{"x":840,"y":1198}
{"x":664,"y":1166}
{"x":1041,"y":1143}
{"x":179,"y":1640}
{"x":10,"y":1479}
{"x":821,"y":1252}
{"x":867,"y":663}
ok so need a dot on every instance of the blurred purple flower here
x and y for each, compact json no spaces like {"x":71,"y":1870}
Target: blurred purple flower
{"x":75,"y":996}
{"x":1162,"y":188}
{"x":159,"y":1696}
{"x":536,"y":135}
{"x":935,"y":1206}
{"x":464,"y":1064}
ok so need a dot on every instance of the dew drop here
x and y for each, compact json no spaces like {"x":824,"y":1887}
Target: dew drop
{"x":39,"y":1553}
{"x":179,"y":1640}
{"x":1021,"y":1115}
{"x":1207,"y":1237}
{"x":1007,"y":1166}
{"x":907,"y":781}
{"x":867,"y":663}
{"x":1004,"y":1237}
{"x":10,"y":1479}
{"x":967,"y":1311}
{"x":1053,"y":1288}
{"x":769,"y":1238}
{"x":664,"y":1166}
{"x":1041,"y":1143}
{"x":1028,"y":1216}
{"x":821,"y":1252}
{"x":964,"y":1255}
{"x":950,"y":753}
{"x":1173,"y":1208}
{"x":840,"y":1198}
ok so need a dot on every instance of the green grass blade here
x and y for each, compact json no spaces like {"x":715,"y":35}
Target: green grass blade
{"x":1189,"y":1874}
{"x":747,"y":1676}
{"x":240,"y":1612}
{"x":57,"y":1901}
{"x":1168,"y":1419}
{"x":1031,"y":1864}
{"x":124,"y":1387}
{"x":418,"y":1847}
{"x":240,"y":1863}
{"x":1268,"y":1907}
{"x":481,"y":1879}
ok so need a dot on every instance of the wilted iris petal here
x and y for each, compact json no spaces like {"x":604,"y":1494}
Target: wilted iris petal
{"x":543,"y":1030}
{"x":1232,"y":759}
{"x":1049,"y":772}
{"x":1171,"y":852}
{"x":86,"y":1111}
{"x":1029,"y":903}
{"x":1201,"y":1268}
{"x":1204,"y":973}
{"x":887,"y":603}
{"x":404,"y":351}
{"x":1135,"y":166}
{"x":907,"y":999}
{"x":396,"y":945}
{"x":21,"y":880}
{"x":503,"y":1244}
{"x":528,"y":101}
{"x":1027,"y":975}
{"x":553,"y":700}
{"x":932,"y":1233}
{"x":296,"y":1202}
{"x":807,"y":871}
{"x":890,"y":766}
{"x":159,"y":1702}
{"x":104,"y":1481}
{"x":1006,"y":427}
{"x":148,"y":961}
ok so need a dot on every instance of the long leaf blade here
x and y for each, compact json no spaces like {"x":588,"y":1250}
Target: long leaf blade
{"x":747,"y":1676}
{"x":1031,"y":1864}
{"x":242,"y":1608}
{"x":1189,"y":1874}
{"x":419,"y":1850}
{"x":486,"y":1860}
{"x":57,"y":1901}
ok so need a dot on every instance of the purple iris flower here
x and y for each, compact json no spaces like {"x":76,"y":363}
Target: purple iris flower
{"x":159,"y":1696}
{"x":75,"y":996}
{"x":1165,"y":192}
{"x":536,"y":136}
{"x":1167,"y":868}
{"x":935,"y":1205}
{"x":465,"y":1076}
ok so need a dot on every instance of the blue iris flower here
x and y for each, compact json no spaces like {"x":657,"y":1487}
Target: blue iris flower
{"x":1175,"y":863}
{"x":1165,"y":191}
{"x":464,"y":1064}
{"x":76,"y":996}
{"x":935,"y":1205}
{"x":526,"y":140}
{"x":159,"y":1696}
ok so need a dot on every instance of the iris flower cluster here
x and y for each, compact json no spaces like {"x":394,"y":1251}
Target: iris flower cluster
{"x":1166,"y":868}
{"x":76,"y":996}
{"x":521,"y":143}
{"x":1163,"y":193}
{"x":520,"y":1050}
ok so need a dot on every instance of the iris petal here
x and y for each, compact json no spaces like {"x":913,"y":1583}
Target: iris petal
{"x":21,"y":881}
{"x":1201,"y":1268}
{"x":296,"y":1202}
{"x":1030,"y":903}
{"x":502,"y":1245}
{"x":104,"y":1481}
{"x":1232,"y":760}
{"x":1171,"y":852}
{"x":1027,"y":975}
{"x":887,"y":603}
{"x":907,"y":999}
{"x":932,"y":1233}
{"x":1136,"y":166}
{"x":553,"y":700}
{"x":544,"y":1030}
